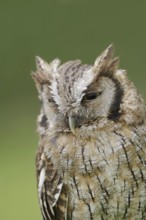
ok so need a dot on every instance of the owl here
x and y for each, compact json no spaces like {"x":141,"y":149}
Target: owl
{"x":91,"y":160}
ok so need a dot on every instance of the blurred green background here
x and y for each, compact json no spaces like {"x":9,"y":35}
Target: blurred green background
{"x":67,"y":29}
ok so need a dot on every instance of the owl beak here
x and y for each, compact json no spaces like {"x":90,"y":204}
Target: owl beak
{"x":72,"y":124}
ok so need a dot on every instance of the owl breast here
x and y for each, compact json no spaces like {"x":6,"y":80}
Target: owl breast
{"x":104,"y":172}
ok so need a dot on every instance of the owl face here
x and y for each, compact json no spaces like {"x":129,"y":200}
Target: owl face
{"x":75,"y":94}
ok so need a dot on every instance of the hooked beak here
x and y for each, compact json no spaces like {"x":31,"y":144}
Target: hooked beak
{"x":72,"y":124}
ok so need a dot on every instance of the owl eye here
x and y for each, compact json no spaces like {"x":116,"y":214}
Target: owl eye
{"x":92,"y":96}
{"x":51,"y":100}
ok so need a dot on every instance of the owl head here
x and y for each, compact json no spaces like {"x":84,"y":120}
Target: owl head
{"x":75,"y":94}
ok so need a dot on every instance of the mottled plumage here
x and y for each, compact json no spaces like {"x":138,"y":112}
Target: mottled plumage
{"x":91,"y":161}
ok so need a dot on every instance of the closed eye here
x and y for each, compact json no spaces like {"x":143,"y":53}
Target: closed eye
{"x":50,"y":100}
{"x":91,"y":96}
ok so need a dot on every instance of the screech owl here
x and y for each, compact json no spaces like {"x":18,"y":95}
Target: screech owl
{"x":91,"y":160}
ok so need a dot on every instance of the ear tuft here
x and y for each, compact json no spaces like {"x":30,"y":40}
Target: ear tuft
{"x":42,"y":74}
{"x":42,"y":66}
{"x":105,"y":62}
{"x":113,"y":65}
{"x":54,"y":65}
{"x":54,"y":68}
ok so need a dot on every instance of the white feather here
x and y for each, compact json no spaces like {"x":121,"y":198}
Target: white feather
{"x":82,"y":83}
{"x":41,"y":180}
{"x":54,"y":66}
{"x":57,"y":194}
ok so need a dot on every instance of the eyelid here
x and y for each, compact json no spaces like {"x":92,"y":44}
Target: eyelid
{"x":94,"y":94}
{"x":51,"y":100}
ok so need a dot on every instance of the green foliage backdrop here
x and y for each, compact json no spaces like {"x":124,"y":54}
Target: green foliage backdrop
{"x":67,"y":29}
